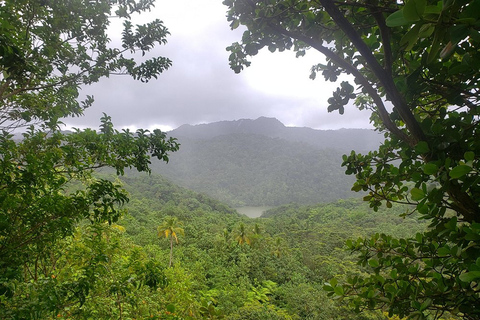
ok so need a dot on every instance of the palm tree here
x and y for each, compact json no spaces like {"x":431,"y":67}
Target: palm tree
{"x":256,"y":235}
{"x":257,"y":230}
{"x":170,"y":228}
{"x":278,"y":247}
{"x":241,"y":235}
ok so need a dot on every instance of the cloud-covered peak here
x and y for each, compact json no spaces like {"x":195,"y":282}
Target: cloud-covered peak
{"x":263,"y":126}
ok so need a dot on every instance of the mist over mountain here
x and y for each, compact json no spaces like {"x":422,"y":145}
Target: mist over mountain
{"x":263,"y":162}
{"x":343,"y":140}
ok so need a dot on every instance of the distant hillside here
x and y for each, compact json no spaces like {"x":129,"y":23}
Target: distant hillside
{"x":262,"y":162}
{"x":343,"y":140}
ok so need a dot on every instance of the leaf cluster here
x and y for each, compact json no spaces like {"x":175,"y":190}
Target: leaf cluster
{"x":49,"y":49}
{"x":47,"y":187}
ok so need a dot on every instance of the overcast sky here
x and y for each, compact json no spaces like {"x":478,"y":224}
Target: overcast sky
{"x":201,"y":88}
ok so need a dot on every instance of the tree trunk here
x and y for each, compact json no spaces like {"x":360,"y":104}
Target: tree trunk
{"x":171,"y":251}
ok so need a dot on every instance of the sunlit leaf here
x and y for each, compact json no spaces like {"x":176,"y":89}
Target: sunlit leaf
{"x":470,"y":276}
{"x":417,"y":194}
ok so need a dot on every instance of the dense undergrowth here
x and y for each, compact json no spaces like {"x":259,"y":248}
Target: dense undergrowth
{"x":225,"y":265}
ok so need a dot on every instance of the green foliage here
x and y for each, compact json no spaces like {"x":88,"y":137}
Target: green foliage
{"x":241,"y":235}
{"x":48,"y":188}
{"x":39,"y":202}
{"x":49,"y":48}
{"x":96,"y":273}
{"x":256,"y":311}
{"x":422,"y":56}
{"x":292,"y":252}
{"x":101,"y":271}
{"x":170,"y":229}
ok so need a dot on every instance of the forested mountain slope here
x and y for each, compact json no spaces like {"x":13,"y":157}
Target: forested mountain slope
{"x":223,"y":266}
{"x":343,"y":140}
{"x":262,"y":162}
{"x":266,"y":268}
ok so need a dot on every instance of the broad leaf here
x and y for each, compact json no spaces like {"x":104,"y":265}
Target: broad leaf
{"x":470,"y":276}
{"x":396,"y":19}
{"x":417,"y":194}
{"x":413,"y":10}
{"x":459,"y":171}
{"x":430,"y":168}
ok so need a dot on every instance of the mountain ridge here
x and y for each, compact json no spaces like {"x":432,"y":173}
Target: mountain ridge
{"x":343,"y":140}
{"x":262,"y":162}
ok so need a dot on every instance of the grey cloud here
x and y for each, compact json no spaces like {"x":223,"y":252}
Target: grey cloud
{"x":201,"y":88}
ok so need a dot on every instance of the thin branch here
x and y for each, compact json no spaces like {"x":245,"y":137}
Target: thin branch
{"x":385,"y":34}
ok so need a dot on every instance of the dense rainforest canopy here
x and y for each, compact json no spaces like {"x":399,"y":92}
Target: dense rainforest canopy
{"x":48,"y":49}
{"x":73,"y":246}
{"x":224,"y":266}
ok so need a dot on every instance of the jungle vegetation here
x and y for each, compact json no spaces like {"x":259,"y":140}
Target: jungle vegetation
{"x":77,"y":242}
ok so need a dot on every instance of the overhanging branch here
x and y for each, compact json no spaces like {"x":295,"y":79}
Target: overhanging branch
{"x":382,"y":111}
{"x":382,"y":75}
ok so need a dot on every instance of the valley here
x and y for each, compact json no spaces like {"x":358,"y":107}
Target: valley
{"x":263,"y":163}
{"x":252,"y":212}
{"x":267,"y":259}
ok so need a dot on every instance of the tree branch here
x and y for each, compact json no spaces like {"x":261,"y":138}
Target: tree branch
{"x":384,"y":78}
{"x":385,"y":34}
{"x":382,"y":111}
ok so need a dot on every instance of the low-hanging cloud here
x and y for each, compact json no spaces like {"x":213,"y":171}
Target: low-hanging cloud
{"x":200,"y":87}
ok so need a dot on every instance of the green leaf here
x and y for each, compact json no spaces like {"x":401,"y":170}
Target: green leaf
{"x":251,"y":49}
{"x":443,"y":251}
{"x":333,"y":282}
{"x":469,"y":156}
{"x":410,"y":38}
{"x":419,"y":237}
{"x":235,"y":24}
{"x":452,"y":223}
{"x":458,"y":69}
{"x":427,"y":303}
{"x":437,"y":38}
{"x":396,"y":19}
{"x":373,"y":263}
{"x":339,"y":290}
{"x":472,"y":237}
{"x":371,"y":293}
{"x":327,"y":287}
{"x":426,"y":30}
{"x":394,"y":273}
{"x":417,"y":194}
{"x":414,"y":9}
{"x":433,"y":9}
{"x":459,"y":171}
{"x":422,"y":147}
{"x":357,"y":188}
{"x":470,"y":276}
{"x":430,"y":168}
